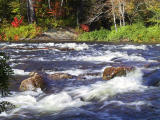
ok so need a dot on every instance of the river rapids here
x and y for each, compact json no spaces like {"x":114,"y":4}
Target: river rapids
{"x":129,"y":97}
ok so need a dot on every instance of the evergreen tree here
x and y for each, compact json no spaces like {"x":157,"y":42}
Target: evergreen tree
{"x":5,"y":74}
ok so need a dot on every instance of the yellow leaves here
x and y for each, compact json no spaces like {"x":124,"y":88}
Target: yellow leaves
{"x":130,"y":7}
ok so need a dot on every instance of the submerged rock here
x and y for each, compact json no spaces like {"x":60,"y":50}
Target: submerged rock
{"x":112,"y":72}
{"x":83,"y":76}
{"x":61,"y":76}
{"x":152,"y":65}
{"x":6,"y":106}
{"x":152,"y":78}
{"x":34,"y":81}
{"x":65,"y":49}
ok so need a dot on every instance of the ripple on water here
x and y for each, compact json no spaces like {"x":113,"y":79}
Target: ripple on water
{"x":89,"y":99}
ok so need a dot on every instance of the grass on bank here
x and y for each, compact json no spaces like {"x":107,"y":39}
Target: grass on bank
{"x":137,"y":33}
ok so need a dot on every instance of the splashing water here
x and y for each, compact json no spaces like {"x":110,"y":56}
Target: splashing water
{"x":90,"y":98}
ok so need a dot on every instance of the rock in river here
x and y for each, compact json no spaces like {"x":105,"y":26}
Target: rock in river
{"x":34,"y":81}
{"x":61,"y":76}
{"x":112,"y":72}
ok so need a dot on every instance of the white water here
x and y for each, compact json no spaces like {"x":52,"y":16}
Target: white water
{"x":20,"y":72}
{"x":42,"y":45}
{"x":136,"y":104}
{"x":135,"y":47}
{"x":75,"y":72}
{"x":80,"y":93}
{"x":56,"y":102}
{"x":108,"y":56}
{"x":102,"y":90}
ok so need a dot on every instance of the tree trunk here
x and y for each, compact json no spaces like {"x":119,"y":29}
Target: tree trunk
{"x":62,"y":3}
{"x":77,"y":17}
{"x":30,"y":12}
{"x":120,"y":22}
{"x":114,"y":15}
{"x":49,"y":4}
{"x":120,"y":14}
{"x":123,"y":11}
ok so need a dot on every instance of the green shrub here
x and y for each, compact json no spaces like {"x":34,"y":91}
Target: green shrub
{"x":28,"y":31}
{"x":126,"y":32}
{"x":132,"y":33}
{"x":5,"y":74}
{"x":94,"y":36}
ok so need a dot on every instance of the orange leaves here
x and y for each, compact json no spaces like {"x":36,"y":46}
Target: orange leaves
{"x":38,"y":30}
{"x":85,"y":27}
{"x":57,"y":11}
{"x":16,"y":37}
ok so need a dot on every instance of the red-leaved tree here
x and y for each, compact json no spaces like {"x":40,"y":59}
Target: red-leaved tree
{"x":16,"y":22}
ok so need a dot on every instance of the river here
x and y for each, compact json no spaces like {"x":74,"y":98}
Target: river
{"x":90,"y":98}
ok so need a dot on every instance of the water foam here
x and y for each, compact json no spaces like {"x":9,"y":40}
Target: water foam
{"x":51,"y":103}
{"x":20,"y":72}
{"x":72,"y":97}
{"x":136,"y":104}
{"x":108,"y":56}
{"x":74,"y":46}
{"x":103,"y":89}
{"x":135,"y":47}
{"x":74,"y":72}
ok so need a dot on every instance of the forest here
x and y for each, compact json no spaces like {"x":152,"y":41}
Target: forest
{"x":92,"y":20}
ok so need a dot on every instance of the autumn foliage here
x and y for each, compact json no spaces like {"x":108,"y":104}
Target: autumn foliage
{"x":2,"y":36}
{"x":57,"y":10}
{"x":85,"y":27}
{"x":16,"y":22}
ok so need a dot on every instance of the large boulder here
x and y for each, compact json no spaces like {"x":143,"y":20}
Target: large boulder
{"x":34,"y":81}
{"x":112,"y":72}
{"x":60,"y":76}
{"x":6,"y":106}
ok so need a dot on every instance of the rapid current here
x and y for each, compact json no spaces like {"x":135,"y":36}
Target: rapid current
{"x":127,"y":97}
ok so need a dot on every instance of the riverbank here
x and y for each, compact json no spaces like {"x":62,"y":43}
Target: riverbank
{"x":136,"y":33}
{"x":129,"y":34}
{"x":76,"y":41}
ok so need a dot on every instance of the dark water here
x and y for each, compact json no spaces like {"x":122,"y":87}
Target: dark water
{"x":130,"y":97}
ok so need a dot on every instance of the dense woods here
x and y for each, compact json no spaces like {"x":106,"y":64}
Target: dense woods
{"x":31,"y":16}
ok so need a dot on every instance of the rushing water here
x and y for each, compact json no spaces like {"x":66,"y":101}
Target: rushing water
{"x":90,"y":98}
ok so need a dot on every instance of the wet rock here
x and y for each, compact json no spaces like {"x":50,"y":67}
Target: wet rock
{"x":112,"y":72}
{"x":152,"y":65}
{"x":6,"y":106}
{"x":34,"y":81}
{"x":58,"y":34}
{"x":60,"y":76}
{"x":65,"y":49}
{"x":81,"y":77}
{"x":152,"y":78}
{"x":93,"y":74}
{"x":3,"y":48}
